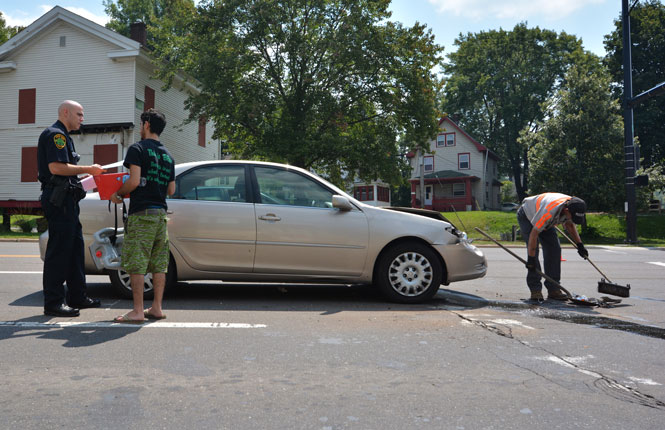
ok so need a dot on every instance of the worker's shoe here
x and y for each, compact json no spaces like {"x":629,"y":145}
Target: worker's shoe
{"x":557,"y":295}
{"x":536,"y":296}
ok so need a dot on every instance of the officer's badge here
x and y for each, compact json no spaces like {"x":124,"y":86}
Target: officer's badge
{"x":59,"y":141}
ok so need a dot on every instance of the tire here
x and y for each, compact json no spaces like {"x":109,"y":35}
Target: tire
{"x":121,"y":283}
{"x":408,"y":273}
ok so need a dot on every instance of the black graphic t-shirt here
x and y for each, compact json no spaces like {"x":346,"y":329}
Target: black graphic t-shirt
{"x":157,"y":170}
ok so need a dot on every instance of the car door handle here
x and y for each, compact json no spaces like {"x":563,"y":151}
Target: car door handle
{"x":169,"y":212}
{"x":270,"y":217}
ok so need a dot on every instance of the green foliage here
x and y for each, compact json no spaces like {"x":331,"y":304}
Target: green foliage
{"x":498,"y":82}
{"x":508,"y":192}
{"x":579,"y":147}
{"x":7,"y":32}
{"x":25,"y":222}
{"x":325,"y":84}
{"x":647,"y":20}
{"x":123,"y":13}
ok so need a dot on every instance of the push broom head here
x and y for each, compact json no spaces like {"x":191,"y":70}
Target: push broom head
{"x":613,"y":289}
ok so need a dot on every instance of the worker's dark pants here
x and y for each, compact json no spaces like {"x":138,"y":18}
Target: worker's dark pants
{"x":549,"y":241}
{"x":64,"y":259}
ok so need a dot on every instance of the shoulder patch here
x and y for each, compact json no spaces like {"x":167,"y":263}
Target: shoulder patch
{"x":59,"y":140}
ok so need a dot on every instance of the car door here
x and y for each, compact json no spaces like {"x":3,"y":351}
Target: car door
{"x":211,"y":222}
{"x":299,"y":232}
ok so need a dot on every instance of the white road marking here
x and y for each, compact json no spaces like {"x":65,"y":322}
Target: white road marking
{"x":657,"y":263}
{"x":21,"y":273}
{"x":511,"y":322}
{"x":643,"y":381}
{"x":108,"y":324}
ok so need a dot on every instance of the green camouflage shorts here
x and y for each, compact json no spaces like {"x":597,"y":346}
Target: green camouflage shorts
{"x":145,"y":248}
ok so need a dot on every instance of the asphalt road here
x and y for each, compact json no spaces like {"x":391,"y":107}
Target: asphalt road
{"x":258,"y":357}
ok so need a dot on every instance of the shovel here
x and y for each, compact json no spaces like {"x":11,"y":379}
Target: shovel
{"x":604,"y":285}
{"x":577,"y":299}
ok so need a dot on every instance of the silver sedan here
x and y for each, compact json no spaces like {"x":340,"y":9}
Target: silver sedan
{"x":267,"y":222}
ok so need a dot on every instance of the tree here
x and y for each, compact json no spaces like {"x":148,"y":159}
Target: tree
{"x":647,"y":20}
{"x":330,"y":85}
{"x":498,"y":81}
{"x":577,"y":150}
{"x":124,"y":13}
{"x":7,"y":32}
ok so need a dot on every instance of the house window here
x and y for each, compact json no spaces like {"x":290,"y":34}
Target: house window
{"x":29,"y":164}
{"x":63,"y":41}
{"x":429,"y":163}
{"x":459,"y":189}
{"x":463,"y":161}
{"x":27,"y":101}
{"x":445,"y":139}
{"x":202,"y":132}
{"x":383,"y":194}
{"x":364,"y":193}
{"x":149,"y":98}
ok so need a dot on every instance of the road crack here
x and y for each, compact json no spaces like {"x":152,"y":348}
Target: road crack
{"x":603,"y":383}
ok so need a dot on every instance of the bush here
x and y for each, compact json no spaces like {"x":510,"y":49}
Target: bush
{"x":26,"y":224}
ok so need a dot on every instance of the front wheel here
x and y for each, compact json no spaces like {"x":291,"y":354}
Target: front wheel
{"x":120,"y":280}
{"x":408,"y":273}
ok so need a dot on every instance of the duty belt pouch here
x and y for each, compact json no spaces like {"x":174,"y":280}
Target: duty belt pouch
{"x":76,"y":189}
{"x":60,"y":189}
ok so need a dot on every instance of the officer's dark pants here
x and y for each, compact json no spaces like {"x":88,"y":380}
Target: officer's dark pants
{"x":64,"y":257}
{"x":549,"y":241}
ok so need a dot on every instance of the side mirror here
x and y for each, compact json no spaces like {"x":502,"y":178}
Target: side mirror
{"x":341,"y":203}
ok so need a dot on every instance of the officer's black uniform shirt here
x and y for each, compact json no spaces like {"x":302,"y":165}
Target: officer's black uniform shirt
{"x":54,"y":145}
{"x":157,"y":170}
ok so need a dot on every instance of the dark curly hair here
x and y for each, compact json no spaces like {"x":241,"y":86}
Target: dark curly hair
{"x":156,"y":120}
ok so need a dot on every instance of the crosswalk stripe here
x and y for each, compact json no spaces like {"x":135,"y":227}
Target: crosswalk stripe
{"x":108,"y":324}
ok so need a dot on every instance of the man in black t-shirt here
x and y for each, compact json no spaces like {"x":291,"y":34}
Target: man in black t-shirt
{"x":145,"y":248}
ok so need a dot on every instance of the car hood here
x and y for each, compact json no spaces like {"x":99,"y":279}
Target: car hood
{"x":430,"y":226}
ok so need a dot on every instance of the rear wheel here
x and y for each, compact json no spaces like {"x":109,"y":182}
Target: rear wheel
{"x":408,"y":273}
{"x":120,"y":280}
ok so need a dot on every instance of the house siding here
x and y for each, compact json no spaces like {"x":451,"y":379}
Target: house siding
{"x":181,"y":139}
{"x":79,"y":71}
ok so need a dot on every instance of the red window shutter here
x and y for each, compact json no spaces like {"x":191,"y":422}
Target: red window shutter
{"x":27,"y":101}
{"x":202,"y":132}
{"x":149,"y":98}
{"x":105,"y":154}
{"x":29,"y":164}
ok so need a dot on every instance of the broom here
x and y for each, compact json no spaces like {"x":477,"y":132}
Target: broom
{"x":604,"y":285}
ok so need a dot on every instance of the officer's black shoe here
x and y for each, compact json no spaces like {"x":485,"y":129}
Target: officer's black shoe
{"x":61,"y":311}
{"x":87,"y":303}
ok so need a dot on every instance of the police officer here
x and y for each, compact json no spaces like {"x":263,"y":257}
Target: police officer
{"x":61,"y":191}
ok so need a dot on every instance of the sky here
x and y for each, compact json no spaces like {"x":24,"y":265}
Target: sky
{"x":589,"y":20}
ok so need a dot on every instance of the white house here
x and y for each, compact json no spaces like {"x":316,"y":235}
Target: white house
{"x":64,"y":56}
{"x":375,"y":193}
{"x":457,"y":172}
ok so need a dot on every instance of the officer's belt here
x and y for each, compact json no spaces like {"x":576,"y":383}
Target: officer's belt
{"x":154,"y":211}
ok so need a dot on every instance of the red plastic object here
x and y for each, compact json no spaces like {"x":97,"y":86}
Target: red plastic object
{"x":109,"y":183}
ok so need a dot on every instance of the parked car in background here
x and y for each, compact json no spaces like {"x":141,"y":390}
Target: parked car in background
{"x":268,"y":222}
{"x":509,"y":207}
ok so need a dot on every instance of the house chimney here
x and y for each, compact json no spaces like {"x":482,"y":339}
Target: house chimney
{"x":137,"y":31}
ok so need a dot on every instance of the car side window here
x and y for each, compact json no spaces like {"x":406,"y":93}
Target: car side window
{"x":282,"y":187}
{"x":213,"y":183}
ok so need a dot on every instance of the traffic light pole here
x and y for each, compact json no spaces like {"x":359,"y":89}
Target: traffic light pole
{"x":629,"y":144}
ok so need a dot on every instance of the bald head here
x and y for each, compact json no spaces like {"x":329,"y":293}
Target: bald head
{"x":70,"y":113}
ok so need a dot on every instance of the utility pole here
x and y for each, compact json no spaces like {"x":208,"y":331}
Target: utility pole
{"x":628,"y":132}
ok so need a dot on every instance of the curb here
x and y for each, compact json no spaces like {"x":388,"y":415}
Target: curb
{"x":468,"y":300}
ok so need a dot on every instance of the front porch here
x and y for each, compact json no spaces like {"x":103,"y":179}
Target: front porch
{"x":445,"y":191}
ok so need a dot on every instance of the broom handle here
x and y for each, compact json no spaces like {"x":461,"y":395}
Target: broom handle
{"x":524,"y":262}
{"x":587,"y":259}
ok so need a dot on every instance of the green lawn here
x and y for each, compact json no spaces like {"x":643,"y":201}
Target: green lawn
{"x":601,"y":229}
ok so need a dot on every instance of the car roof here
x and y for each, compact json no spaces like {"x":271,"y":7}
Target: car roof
{"x":180,"y":168}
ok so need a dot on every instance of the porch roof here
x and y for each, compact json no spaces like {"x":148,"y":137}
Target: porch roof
{"x":446,"y":176}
